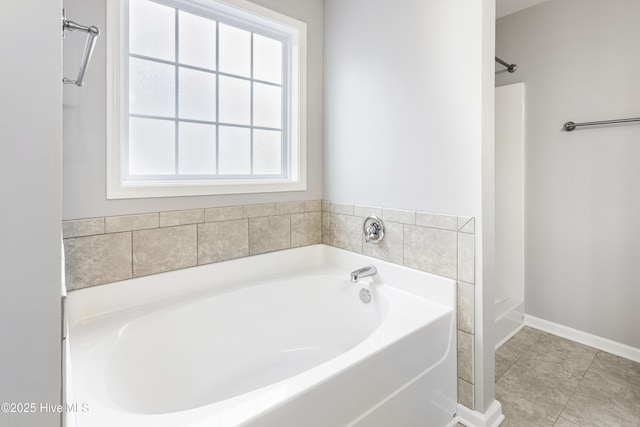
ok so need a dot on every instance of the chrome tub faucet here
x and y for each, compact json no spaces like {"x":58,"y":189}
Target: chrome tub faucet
{"x":367,"y":271}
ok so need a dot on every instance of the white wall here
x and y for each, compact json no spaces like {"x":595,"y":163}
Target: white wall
{"x":402,"y":104}
{"x":507,"y":7}
{"x":85,"y":123}
{"x":580,"y":60}
{"x":30,"y":170}
{"x":405,"y":83}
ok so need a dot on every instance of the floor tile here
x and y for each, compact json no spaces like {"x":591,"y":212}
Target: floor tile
{"x":563,"y":422}
{"x":571,"y":357}
{"x":520,"y":412}
{"x":541,"y":381}
{"x":545,"y":380}
{"x":566,"y":348}
{"x":604,"y":400}
{"x":513,"y":349}
{"x":529,"y":335}
{"x":617,"y":367}
{"x":502,"y":365}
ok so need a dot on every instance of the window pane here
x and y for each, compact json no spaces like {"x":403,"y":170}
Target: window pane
{"x":267,"y":152}
{"x":197,"y":41}
{"x":235,"y":50}
{"x":152,"y":29}
{"x":267,"y":59}
{"x":234,"y":151}
{"x":151,"y":147}
{"x":267,"y":105}
{"x":235,"y":101}
{"x":197,"y":149}
{"x":197,"y":97}
{"x":151,"y":88}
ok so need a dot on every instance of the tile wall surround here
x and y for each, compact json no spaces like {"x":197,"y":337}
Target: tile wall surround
{"x":109,"y":249}
{"x":439,"y":244}
{"x":106,"y":250}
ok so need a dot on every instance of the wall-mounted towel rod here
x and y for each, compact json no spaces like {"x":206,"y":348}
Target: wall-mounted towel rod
{"x":512,"y":68}
{"x":569,"y":126}
{"x":92,"y":35}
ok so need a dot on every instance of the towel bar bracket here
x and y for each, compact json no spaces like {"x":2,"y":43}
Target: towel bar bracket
{"x":92,"y":34}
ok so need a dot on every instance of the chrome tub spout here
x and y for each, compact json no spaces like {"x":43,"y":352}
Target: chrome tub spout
{"x":367,"y":271}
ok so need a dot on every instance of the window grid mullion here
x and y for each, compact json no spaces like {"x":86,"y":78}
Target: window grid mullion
{"x":204,"y":70}
{"x":284,"y":150}
{"x":251,"y":110}
{"x":177,"y":95}
{"x":217,"y":169}
{"x":202,"y":122}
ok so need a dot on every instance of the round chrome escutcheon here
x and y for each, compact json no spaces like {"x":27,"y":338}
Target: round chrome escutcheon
{"x":365,"y":295}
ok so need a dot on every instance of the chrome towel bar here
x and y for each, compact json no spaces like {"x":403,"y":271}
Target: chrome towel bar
{"x":570,"y":126}
{"x":512,"y":68}
{"x":92,"y":34}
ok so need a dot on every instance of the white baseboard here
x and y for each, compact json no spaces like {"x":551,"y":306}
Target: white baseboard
{"x":594,"y":341}
{"x":492,"y":418}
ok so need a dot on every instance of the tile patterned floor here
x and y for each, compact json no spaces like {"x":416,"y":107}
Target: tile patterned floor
{"x":547,"y":381}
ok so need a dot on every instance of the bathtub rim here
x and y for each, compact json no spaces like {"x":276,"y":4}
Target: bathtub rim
{"x":96,"y":301}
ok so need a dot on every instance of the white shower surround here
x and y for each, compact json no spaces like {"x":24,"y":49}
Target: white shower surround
{"x":509,"y":211}
{"x":353,"y":364}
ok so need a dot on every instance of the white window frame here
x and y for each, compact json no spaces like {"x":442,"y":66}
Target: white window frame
{"x":118,"y":187}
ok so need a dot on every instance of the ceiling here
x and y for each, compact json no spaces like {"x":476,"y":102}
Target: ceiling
{"x":507,"y":7}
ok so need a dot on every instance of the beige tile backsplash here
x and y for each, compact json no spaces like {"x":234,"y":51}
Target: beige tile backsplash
{"x":391,"y":248}
{"x":289,"y":208}
{"x":95,"y":260}
{"x":444,"y":222}
{"x":83,"y":227}
{"x":399,"y":215}
{"x":116,"y":224}
{"x":346,"y":232}
{"x":465,"y":356}
{"x":172,"y":218}
{"x":253,"y":211}
{"x":223,"y":214}
{"x":269,"y":234}
{"x":164,"y":249}
{"x":306,"y":228}
{"x":466,"y":310}
{"x":466,"y":393}
{"x":223,"y":240}
{"x":105,"y":250}
{"x":431,"y":249}
{"x":364,"y":211}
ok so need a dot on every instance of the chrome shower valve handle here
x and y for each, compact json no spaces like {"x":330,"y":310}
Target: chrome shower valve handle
{"x":373,"y":229}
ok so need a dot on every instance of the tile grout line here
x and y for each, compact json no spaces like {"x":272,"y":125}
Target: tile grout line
{"x":577,"y":385}
{"x":198,"y":243}
{"x":131,"y":232}
{"x":516,"y":361}
{"x":512,"y":365}
{"x":403,"y":244}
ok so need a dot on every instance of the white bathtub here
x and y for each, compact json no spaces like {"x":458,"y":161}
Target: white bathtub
{"x":280,"y":339}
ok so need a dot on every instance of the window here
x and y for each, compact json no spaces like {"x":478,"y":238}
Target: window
{"x":205,"y":98}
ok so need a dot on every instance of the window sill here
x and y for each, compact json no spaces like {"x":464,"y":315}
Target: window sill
{"x":138,"y":190}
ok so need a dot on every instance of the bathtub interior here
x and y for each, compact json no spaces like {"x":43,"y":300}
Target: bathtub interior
{"x":153,"y":317}
{"x":253,"y":353}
